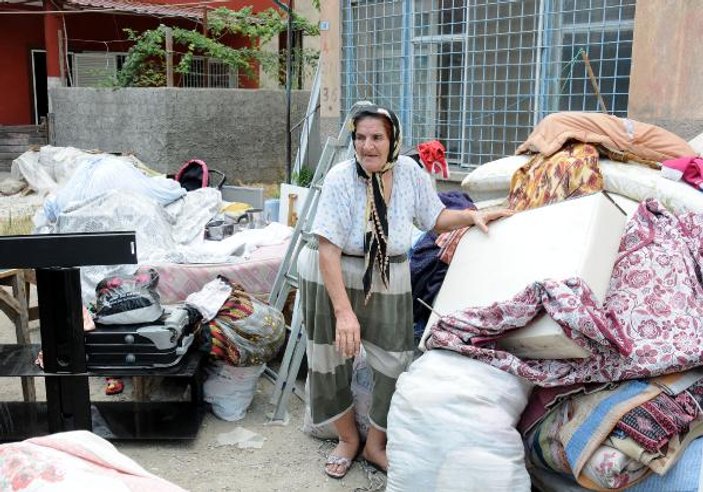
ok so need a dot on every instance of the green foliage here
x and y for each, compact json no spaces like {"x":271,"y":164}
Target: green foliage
{"x":262,"y":26}
{"x":303,"y":177}
{"x":145,"y":64}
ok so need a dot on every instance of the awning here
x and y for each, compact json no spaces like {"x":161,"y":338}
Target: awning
{"x":190,"y":10}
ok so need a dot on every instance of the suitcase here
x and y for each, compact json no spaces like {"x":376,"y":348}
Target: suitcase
{"x":162,"y":343}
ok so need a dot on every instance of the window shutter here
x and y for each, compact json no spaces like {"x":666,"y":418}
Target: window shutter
{"x":94,"y":69}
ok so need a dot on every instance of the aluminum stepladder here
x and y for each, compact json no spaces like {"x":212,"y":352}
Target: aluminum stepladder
{"x":308,"y":120}
{"x":334,"y":151}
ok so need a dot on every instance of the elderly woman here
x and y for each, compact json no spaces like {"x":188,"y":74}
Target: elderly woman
{"x":355,"y":282}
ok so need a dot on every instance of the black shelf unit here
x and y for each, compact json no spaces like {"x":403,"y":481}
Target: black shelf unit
{"x":120,"y":420}
{"x":111,"y":420}
{"x":68,"y":406}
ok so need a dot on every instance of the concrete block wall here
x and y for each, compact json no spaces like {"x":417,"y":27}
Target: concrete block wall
{"x":238,"y":131}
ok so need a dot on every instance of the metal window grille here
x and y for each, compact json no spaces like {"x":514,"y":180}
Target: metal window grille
{"x":479,"y":74}
{"x":94,"y":69}
{"x":211,"y":73}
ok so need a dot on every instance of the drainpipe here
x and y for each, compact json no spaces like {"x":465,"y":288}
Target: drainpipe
{"x":52,"y":31}
{"x":289,"y":84}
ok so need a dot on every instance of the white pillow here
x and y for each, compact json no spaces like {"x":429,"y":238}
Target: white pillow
{"x":631,"y":180}
{"x":492,"y":179}
{"x":696,"y":144}
{"x":639,"y":183}
{"x":678,"y":196}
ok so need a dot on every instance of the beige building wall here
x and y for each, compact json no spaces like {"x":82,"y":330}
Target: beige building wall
{"x":306,"y":9}
{"x":666,"y":81}
{"x":331,"y":73}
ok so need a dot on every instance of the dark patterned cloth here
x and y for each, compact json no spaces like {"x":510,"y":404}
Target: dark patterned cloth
{"x":427,"y":272}
{"x":654,"y":422}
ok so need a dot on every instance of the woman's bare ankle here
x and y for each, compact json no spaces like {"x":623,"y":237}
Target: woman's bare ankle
{"x":376,"y":456}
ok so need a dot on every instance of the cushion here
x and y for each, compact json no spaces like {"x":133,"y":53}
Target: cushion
{"x":648,"y":142}
{"x":492,"y":179}
{"x":639,"y":183}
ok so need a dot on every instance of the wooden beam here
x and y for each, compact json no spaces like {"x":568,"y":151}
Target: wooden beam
{"x":169,"y":57}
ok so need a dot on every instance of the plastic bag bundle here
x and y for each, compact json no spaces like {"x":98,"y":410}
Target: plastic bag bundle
{"x":104,"y":173}
{"x":246,"y":331}
{"x":229,"y":390}
{"x":128,"y":300}
{"x":451,"y":426}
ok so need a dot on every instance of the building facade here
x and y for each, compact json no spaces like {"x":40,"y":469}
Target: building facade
{"x":81,"y":43}
{"x":478,"y":74}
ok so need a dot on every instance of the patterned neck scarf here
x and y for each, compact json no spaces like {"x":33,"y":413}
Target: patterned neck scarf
{"x":376,"y":234}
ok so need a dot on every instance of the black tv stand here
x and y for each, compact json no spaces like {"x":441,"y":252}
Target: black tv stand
{"x":68,"y":405}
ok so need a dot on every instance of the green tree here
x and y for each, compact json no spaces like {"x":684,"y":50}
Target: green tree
{"x":145,"y":64}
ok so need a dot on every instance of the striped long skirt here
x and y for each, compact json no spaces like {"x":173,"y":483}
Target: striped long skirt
{"x":386,"y":334}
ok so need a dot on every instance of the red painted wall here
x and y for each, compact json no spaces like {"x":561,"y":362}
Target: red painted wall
{"x":85,"y":32}
{"x":18,"y":35}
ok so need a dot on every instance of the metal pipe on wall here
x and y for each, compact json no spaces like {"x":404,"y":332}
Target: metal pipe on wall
{"x":289,"y":83}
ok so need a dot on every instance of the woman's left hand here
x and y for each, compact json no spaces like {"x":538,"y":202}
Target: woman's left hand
{"x":481,"y":219}
{"x":450,"y":220}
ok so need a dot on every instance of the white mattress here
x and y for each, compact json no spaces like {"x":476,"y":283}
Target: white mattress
{"x":574,"y":238}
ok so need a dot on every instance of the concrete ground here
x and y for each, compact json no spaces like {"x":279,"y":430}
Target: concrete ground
{"x":289,"y":460}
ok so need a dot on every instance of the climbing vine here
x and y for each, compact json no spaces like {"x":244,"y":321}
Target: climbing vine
{"x":145,"y":63}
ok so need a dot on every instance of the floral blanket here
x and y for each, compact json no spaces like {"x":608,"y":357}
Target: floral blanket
{"x":606,"y":439}
{"x":76,"y":461}
{"x":651,"y":322}
{"x":571,"y":172}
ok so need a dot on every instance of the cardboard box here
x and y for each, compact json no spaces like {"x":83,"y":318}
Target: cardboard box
{"x":295,"y":195}
{"x":574,"y":238}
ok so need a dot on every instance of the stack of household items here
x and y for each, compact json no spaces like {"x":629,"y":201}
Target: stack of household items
{"x":187,"y":237}
{"x":244,"y":334}
{"x":133,"y":330}
{"x":562,"y":349}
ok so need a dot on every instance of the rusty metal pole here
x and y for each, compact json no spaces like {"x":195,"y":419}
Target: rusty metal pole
{"x":205,"y":27}
{"x":62,"y":58}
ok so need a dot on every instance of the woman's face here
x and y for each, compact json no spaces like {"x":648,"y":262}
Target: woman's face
{"x":372,"y":144}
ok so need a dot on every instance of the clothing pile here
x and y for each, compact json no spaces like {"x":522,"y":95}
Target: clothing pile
{"x":627,"y":415}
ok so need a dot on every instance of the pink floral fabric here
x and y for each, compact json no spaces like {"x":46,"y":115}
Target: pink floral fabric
{"x":74,"y":460}
{"x":651,"y":322}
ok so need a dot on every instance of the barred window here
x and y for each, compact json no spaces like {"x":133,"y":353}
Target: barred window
{"x":479,"y":74}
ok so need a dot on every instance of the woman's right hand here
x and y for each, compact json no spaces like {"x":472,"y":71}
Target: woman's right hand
{"x":347,"y":338}
{"x":347,"y":334}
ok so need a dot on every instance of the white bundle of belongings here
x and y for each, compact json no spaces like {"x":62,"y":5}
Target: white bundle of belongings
{"x":475,"y":407}
{"x":453,"y":421}
{"x":99,"y":192}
